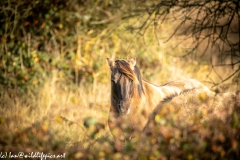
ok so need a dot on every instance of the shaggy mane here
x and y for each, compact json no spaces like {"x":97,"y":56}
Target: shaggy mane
{"x":135,"y":75}
{"x":124,"y":67}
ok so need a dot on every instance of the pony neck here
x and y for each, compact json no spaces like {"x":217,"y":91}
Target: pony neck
{"x":153,"y":94}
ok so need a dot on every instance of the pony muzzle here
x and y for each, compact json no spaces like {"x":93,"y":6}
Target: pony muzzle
{"x":124,"y":107}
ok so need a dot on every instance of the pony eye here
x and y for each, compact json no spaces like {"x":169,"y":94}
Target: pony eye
{"x":113,"y":81}
{"x":115,"y":78}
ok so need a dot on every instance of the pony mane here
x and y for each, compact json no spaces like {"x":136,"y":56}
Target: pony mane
{"x":135,"y":75}
{"x":174,"y":95}
{"x":124,"y":68}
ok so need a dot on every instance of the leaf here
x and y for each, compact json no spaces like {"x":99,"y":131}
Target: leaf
{"x":202,"y":96}
{"x":2,"y":120}
{"x":89,"y":121}
{"x":58,"y":119}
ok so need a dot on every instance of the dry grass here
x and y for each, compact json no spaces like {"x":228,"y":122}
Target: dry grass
{"x":59,"y":108}
{"x":57,"y":119}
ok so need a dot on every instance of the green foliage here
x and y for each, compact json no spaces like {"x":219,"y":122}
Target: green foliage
{"x":38,"y":37}
{"x":73,"y":38}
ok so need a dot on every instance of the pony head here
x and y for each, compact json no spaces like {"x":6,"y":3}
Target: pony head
{"x":126,"y":84}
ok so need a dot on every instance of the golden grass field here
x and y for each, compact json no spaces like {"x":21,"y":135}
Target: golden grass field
{"x":52,"y":120}
{"x":63,"y":117}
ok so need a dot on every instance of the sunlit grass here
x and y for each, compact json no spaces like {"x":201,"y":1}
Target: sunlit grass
{"x":62,"y":109}
{"x":70,"y":118}
{"x":57,"y":111}
{"x":66,"y":105}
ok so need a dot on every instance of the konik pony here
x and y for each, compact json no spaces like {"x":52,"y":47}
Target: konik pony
{"x":134,"y":99}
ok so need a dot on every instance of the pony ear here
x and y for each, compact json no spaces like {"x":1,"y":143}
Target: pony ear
{"x":132,"y":62}
{"x":111,"y":63}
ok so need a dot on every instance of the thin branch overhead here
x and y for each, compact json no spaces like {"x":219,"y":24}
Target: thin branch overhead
{"x":215,"y":22}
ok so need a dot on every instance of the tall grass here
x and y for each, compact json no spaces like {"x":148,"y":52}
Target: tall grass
{"x":61,"y":107}
{"x":61,"y":116}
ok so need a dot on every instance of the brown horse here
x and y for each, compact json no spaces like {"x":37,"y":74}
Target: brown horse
{"x":133,"y":99}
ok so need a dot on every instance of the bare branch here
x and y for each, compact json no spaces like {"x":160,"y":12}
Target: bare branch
{"x":206,"y":20}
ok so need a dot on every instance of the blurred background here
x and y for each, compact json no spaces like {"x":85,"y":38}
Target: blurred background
{"x":53,"y":67}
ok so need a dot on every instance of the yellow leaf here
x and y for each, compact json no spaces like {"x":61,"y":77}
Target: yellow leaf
{"x":90,"y":32}
{"x":2,"y":120}
{"x":87,"y":46}
{"x":44,"y":128}
{"x":58,"y":119}
{"x":157,"y":118}
{"x":202,"y":96}
{"x":74,"y":100}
